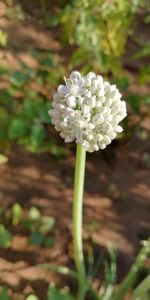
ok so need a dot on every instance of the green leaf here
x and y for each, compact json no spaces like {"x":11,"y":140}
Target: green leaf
{"x":36,"y":238}
{"x":55,"y":149}
{"x":37,"y":136}
{"x":3,"y":70}
{"x":4,"y":295}
{"x":32,"y":297}
{"x":43,"y":109}
{"x":19,"y":79}
{"x":29,"y":107}
{"x":79,"y":57}
{"x":2,"y":135}
{"x":135,"y":102}
{"x":3,"y":114}
{"x":36,"y":109}
{"x":110,"y":274}
{"x":53,"y":77}
{"x":122,"y":83}
{"x":5,"y":237}
{"x":62,"y":270}
{"x":29,"y":225}
{"x":144,"y":76}
{"x":17,"y":212}
{"x":34,"y":214}
{"x":142,"y":289}
{"x":15,"y":12}
{"x":147,"y":19}
{"x":3,"y":159}
{"x":17,"y":128}
{"x":52,"y":21}
{"x":49,"y":242}
{"x":47,"y":61}
{"x":3,"y":38}
{"x":144,"y":52}
{"x":56,"y":294}
{"x":47,"y":224}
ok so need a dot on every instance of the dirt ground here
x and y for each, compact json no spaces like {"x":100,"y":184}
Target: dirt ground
{"x":117,"y":200}
{"x":117,"y":189}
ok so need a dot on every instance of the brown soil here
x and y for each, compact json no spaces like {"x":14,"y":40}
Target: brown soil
{"x":117,"y":202}
{"x":117,"y":188}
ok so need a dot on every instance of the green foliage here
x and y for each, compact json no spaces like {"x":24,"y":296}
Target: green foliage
{"x":143,"y":52}
{"x":39,"y":227}
{"x":24,"y":105}
{"x":5,"y":237}
{"x":36,"y":238}
{"x":32,"y":297}
{"x":143,"y":290}
{"x":47,"y":224}
{"x":144,"y":76}
{"x":110,"y":274}
{"x":14,"y":11}
{"x":17,"y":128}
{"x":55,"y":294}
{"x":3,"y":159}
{"x":17,"y":212}
{"x":108,"y":289}
{"x":136,"y":101}
{"x":62,"y":270}
{"x":3,"y":38}
{"x":99,"y":29}
{"x":34,"y":214}
{"x":131,"y":278}
{"x":4,"y":294}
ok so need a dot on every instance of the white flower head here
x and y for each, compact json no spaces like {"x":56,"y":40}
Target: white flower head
{"x":87,"y":110}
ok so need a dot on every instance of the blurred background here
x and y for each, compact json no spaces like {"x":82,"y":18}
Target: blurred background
{"x":40,"y":42}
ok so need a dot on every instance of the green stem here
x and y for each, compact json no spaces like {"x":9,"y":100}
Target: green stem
{"x":132,"y":276}
{"x":142,"y":288}
{"x":77,"y":218}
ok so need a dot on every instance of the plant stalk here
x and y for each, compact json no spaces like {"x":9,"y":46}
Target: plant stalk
{"x":77,"y":218}
{"x":132,"y":276}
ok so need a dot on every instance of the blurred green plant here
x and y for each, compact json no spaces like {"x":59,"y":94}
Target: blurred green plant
{"x":14,"y":11}
{"x":5,"y":237}
{"x":25,"y":103}
{"x":108,"y":289}
{"x":99,"y":29}
{"x":98,"y":32}
{"x":143,"y":290}
{"x":3,"y":159}
{"x":4,"y":293}
{"x":55,"y":294}
{"x":144,"y":74}
{"x":32,"y":297}
{"x":3,"y":38}
{"x":17,"y":212}
{"x":40,"y":227}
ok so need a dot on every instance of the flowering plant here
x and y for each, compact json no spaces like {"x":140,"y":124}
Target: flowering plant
{"x":87,"y":110}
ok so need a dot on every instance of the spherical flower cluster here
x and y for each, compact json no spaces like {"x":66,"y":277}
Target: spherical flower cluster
{"x":87,"y":110}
